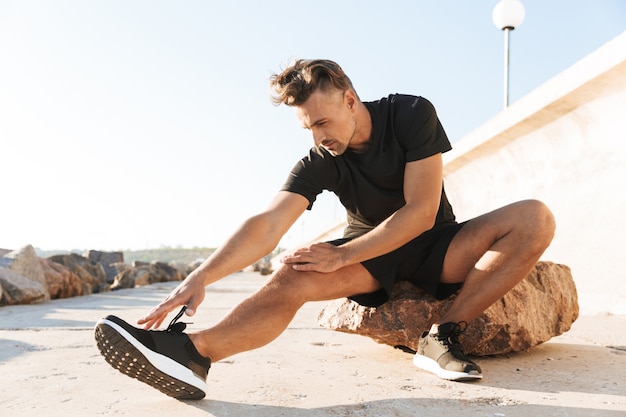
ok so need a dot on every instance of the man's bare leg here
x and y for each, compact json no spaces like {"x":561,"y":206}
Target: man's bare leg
{"x":493,"y":253}
{"x":263,"y":316}
{"x":490,"y":254}
{"x":177,"y":363}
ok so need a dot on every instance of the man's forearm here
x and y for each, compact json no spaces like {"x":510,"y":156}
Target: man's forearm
{"x":398,"y":229}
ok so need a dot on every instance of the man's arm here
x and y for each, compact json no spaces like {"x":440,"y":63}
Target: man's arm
{"x":422,"y":193}
{"x":255,"y":238}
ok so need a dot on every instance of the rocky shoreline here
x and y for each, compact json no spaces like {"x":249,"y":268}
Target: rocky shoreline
{"x":26,"y":278}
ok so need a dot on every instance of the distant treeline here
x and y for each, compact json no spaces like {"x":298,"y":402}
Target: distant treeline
{"x":185,"y":256}
{"x":165,"y":254}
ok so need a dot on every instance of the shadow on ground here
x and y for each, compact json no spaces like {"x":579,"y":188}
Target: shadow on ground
{"x":406,"y":407}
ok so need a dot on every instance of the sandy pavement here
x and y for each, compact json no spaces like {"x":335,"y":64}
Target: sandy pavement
{"x":50,"y":366}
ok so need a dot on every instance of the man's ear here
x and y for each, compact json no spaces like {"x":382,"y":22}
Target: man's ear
{"x":350,"y":99}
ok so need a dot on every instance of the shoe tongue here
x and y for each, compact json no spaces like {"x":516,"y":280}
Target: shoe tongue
{"x":447,"y":328}
{"x":177,"y":327}
{"x":452,"y":329}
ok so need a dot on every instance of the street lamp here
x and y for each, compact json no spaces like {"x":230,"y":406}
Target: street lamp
{"x":507,"y":15}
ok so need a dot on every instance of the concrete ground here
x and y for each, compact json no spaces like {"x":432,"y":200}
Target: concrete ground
{"x":50,"y":366}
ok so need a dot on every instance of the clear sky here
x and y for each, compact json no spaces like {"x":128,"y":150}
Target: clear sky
{"x":140,"y":124}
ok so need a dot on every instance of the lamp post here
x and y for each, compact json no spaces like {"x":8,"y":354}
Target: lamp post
{"x":507,"y":15}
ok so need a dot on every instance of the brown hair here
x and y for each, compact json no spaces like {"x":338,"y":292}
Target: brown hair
{"x":299,"y":80}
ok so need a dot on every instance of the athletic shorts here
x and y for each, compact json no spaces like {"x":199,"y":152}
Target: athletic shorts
{"x":419,"y":261}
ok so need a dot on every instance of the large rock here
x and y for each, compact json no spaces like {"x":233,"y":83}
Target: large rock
{"x":263,"y":265}
{"x":91,"y":274}
{"x":108,"y":260}
{"x":17,"y":289}
{"x":143,"y":273}
{"x":543,"y":305}
{"x":62,"y":283}
{"x":25,"y":262}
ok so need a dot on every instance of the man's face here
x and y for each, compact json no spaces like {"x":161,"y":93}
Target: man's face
{"x":329,"y":117}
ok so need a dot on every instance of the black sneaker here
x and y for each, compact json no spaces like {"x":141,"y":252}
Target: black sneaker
{"x":166,"y":360}
{"x":442,"y":354}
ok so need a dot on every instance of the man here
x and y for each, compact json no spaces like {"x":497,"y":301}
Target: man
{"x":383,"y":160}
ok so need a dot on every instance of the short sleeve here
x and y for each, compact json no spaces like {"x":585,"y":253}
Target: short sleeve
{"x":311,"y":175}
{"x":418,"y":128}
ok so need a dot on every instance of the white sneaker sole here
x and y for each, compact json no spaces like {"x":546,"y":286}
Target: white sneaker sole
{"x":429,"y":365}
{"x":126,"y":354}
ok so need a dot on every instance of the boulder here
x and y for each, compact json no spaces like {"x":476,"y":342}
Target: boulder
{"x":18,"y":289}
{"x":62,"y":283}
{"x":91,"y":274}
{"x":166,"y":272}
{"x":108,"y":260}
{"x":143,"y":276}
{"x":192,"y":266}
{"x":125,"y":279}
{"x":25,"y":262}
{"x":263,"y":265}
{"x":543,"y":305}
{"x":181,"y":267}
{"x":144,"y":273}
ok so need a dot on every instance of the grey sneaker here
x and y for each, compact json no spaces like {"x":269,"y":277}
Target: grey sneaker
{"x":442,"y":354}
{"x":166,"y":360}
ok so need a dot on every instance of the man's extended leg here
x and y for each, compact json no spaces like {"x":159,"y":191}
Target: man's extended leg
{"x":263,"y":316}
{"x":490,"y":255}
{"x":177,"y":363}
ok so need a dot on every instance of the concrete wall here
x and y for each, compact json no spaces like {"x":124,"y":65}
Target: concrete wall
{"x":565,"y":144}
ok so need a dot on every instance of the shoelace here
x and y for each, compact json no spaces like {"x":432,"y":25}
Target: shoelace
{"x":175,"y":327}
{"x":451,"y":338}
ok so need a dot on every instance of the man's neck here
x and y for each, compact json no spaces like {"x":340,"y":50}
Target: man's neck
{"x":363,"y":132}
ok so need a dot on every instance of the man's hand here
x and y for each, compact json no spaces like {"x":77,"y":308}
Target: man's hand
{"x":319,"y":257}
{"x":190,"y":292}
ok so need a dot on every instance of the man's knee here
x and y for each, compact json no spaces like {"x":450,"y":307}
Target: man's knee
{"x":315,"y":286}
{"x":538,"y":224}
{"x":292,"y":283}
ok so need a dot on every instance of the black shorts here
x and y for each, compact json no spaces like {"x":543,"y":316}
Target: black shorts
{"x":420,"y":261}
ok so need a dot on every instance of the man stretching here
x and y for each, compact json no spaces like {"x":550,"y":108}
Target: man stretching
{"x":383,"y":161}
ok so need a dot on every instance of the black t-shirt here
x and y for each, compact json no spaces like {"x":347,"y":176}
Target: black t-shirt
{"x":370,"y":184}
